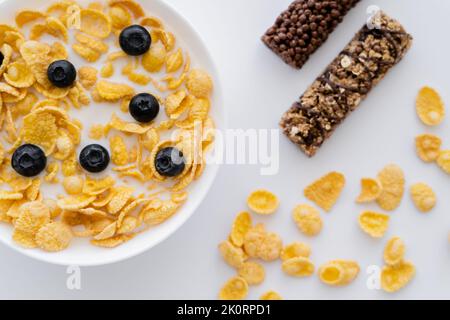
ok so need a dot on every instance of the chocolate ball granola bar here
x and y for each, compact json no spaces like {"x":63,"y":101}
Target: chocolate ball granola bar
{"x":374,"y":50}
{"x":300,"y":30}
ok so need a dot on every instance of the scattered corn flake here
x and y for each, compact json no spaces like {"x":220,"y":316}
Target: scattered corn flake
{"x":430,"y":107}
{"x":54,"y":236}
{"x":7,"y":52}
{"x":339,"y":272}
{"x":155,"y":216}
{"x":107,"y":70}
{"x":97,"y":131}
{"x":64,"y":146}
{"x":258,"y":243}
{"x":120,"y":17}
{"x":51,"y":204}
{"x":152,"y":22}
{"x":252,"y":272}
{"x":75,"y":202}
{"x":294,"y":250}
{"x":40,"y":129}
{"x":58,"y":51}
{"x":443,"y":160}
{"x":108,"y":232}
{"x":27,"y":16}
{"x":298,"y":267}
{"x":373,"y":223}
{"x":138,"y":78}
{"x":270,"y":295}
{"x":95,"y":23}
{"x":370,"y":190}
{"x":428,"y":147}
{"x":113,"y":242}
{"x":234,"y":289}
{"x":52,"y":172}
{"x":69,"y":166}
{"x":174,"y":61}
{"x":86,"y":53}
{"x":24,"y":239}
{"x":233,"y":256}
{"x":393,"y":185}
{"x":73,"y":184}
{"x":118,"y":149}
{"x":263,"y":202}
{"x":394,"y":278}
{"x":326,"y":190}
{"x":120,"y":199}
{"x":423,"y":197}
{"x":32,"y":216}
{"x":92,"y":43}
{"x":113,"y":91}
{"x":394,"y":251}
{"x":241,"y":225}
{"x":134,"y":7}
{"x":127,"y":127}
{"x":154,"y":59}
{"x":308,"y":219}
{"x":87,"y":76}
{"x":19,"y":75}
{"x":57,"y":29}
{"x":94,"y":187}
{"x":199,"y":83}
{"x":10,"y":195}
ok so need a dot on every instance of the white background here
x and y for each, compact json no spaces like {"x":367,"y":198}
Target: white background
{"x":258,"y":88}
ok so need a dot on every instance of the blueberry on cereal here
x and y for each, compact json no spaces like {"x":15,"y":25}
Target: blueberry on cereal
{"x":135,"y":40}
{"x":2,"y":57}
{"x":94,"y":158}
{"x":61,"y":73}
{"x":29,"y":160}
{"x":144,"y":107}
{"x":169,"y":162}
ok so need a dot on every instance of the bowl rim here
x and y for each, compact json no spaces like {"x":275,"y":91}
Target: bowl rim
{"x":213,"y":168}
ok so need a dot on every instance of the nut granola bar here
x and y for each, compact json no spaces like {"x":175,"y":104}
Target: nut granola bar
{"x":300,"y":30}
{"x":347,"y":80}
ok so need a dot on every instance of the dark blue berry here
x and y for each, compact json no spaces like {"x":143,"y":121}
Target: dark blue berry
{"x":135,"y":40}
{"x":2,"y":57}
{"x":61,"y":73}
{"x":94,"y":158}
{"x":29,"y":160}
{"x":144,"y":107}
{"x":169,"y":162}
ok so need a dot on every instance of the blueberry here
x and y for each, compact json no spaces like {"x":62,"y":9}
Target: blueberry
{"x":135,"y":40}
{"x":169,"y":162}
{"x":28,"y":160}
{"x":61,"y":73}
{"x":144,"y":107}
{"x":2,"y":57}
{"x":94,"y":158}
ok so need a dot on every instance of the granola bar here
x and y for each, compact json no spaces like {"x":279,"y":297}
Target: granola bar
{"x":300,"y":30}
{"x":374,"y":50}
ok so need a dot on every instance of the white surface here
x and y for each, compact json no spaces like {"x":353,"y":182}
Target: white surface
{"x":258,"y":88}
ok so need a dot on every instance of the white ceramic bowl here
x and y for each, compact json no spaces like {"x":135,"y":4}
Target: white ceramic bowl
{"x":81,"y":252}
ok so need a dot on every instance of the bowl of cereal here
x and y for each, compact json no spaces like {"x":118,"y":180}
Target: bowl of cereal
{"x":108,"y":116}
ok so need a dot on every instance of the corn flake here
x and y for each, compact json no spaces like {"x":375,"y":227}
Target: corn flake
{"x":75,"y":202}
{"x":118,"y":149}
{"x":88,"y":54}
{"x":294,"y":250}
{"x":134,"y":7}
{"x":423,"y":197}
{"x":263,"y":202}
{"x":127,"y":127}
{"x":393,"y":182}
{"x":32,"y":216}
{"x":153,"y":60}
{"x":326,"y":191}
{"x":73,"y":184}
{"x":339,"y":272}
{"x":370,"y":190}
{"x":95,"y":23}
{"x":233,"y":256}
{"x":199,"y":83}
{"x":54,"y":236}
{"x":394,"y":278}
{"x":258,"y":243}
{"x":252,"y":272}
{"x":234,"y":289}
{"x":95,"y":187}
{"x":430,"y":107}
{"x":87,"y":76}
{"x":373,"y":223}
{"x":24,"y":239}
{"x":270,"y":295}
{"x":308,"y":219}
{"x":120,"y":199}
{"x":443,"y":160}
{"x":428,"y":147}
{"x":298,"y":267}
{"x":241,"y":225}
{"x":19,"y":75}
{"x":394,"y":251}
{"x":27,"y":16}
{"x":113,"y":91}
